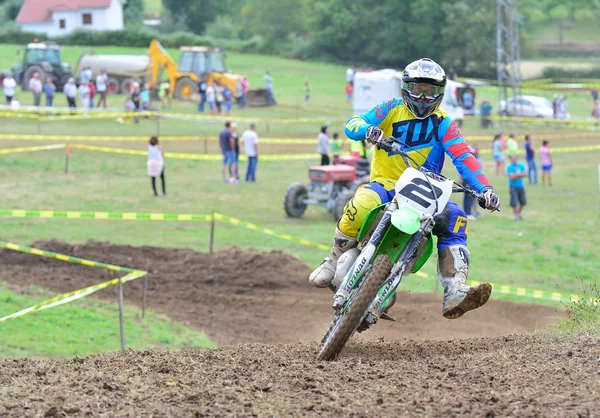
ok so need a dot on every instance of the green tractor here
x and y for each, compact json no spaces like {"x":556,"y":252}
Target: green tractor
{"x":43,"y":58}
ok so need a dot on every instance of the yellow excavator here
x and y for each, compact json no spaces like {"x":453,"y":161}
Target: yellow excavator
{"x":194,"y":63}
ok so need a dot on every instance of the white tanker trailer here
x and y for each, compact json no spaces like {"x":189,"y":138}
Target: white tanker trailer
{"x":122,"y":70}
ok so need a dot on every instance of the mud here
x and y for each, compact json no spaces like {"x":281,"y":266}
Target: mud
{"x":261,"y":308}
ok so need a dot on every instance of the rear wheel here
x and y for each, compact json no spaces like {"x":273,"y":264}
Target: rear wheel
{"x":112,"y":86}
{"x":293,"y":203}
{"x":29,"y":74}
{"x":359,"y":302}
{"x":185,"y":88}
{"x":127,"y":85}
{"x":340,"y":203}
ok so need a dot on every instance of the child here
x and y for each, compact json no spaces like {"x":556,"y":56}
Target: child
{"x":335,"y":147}
{"x":306,"y":91}
{"x":546,"y":162}
{"x":349,"y":90}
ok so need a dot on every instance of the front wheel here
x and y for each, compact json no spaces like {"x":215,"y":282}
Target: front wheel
{"x":344,"y":326}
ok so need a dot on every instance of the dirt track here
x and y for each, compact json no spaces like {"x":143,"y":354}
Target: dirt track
{"x":251,"y":297}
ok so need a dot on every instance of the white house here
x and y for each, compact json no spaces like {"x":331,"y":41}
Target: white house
{"x":60,"y":17}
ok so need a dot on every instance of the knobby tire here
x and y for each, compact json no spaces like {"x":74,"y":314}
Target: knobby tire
{"x":376,"y":276}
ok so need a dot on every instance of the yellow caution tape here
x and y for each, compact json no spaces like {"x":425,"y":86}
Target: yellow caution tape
{"x":31,"y":149}
{"x":72,"y":296}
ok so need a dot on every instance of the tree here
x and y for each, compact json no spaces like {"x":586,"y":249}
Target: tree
{"x":198,"y":13}
{"x":133,"y":12}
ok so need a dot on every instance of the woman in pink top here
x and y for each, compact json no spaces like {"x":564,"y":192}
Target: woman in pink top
{"x":546,"y":162}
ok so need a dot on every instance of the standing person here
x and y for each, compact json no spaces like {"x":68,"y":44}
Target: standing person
{"x":516,"y":172}
{"x":50,"y":91}
{"x":236,"y":150}
{"x":156,"y":165}
{"x":9,"y":85}
{"x":92,"y":93}
{"x":555,"y":106}
{"x":245,"y":88}
{"x":250,"y":141}
{"x":498,"y":153}
{"x":84,"y":96}
{"x":211,"y":98}
{"x":70,"y":90}
{"x":594,"y":93}
{"x":164,"y":93}
{"x":227,"y":100}
{"x":350,"y":75}
{"x":228,"y":149}
{"x":512,"y":145}
{"x":202,"y":86}
{"x":485,"y":111}
{"x":36,"y":87}
{"x":269,"y":87}
{"x":546,"y":163}
{"x":349,"y":91}
{"x":336,"y":147}
{"x":219,"y":97}
{"x":563,"y":109}
{"x":101,"y":87}
{"x":239,"y":93}
{"x":467,"y":98}
{"x":323,"y":147}
{"x":530,"y":158}
{"x":306,"y":91}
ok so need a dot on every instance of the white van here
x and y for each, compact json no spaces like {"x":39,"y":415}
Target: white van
{"x":372,"y":88}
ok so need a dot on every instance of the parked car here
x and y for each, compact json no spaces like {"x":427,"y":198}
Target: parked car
{"x":527,"y":106}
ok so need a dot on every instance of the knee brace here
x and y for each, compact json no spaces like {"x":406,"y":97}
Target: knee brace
{"x":357,"y":209}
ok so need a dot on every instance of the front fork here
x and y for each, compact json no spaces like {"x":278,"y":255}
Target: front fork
{"x":364,"y":259}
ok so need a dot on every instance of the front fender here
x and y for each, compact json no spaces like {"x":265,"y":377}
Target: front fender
{"x":406,"y":220}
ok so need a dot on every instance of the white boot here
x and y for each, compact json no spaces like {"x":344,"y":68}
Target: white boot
{"x":324,"y":274}
{"x":453,"y":268}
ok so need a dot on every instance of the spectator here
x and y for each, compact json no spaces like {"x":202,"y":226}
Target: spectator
{"x":156,"y":166}
{"x":349,"y":91}
{"x":227,"y":100}
{"x":146,"y":100}
{"x":245,"y":88}
{"x":498,"y":153}
{"x":546,"y":163}
{"x":511,"y":145}
{"x":50,"y":91}
{"x":92,"y":93}
{"x":269,"y":87}
{"x":555,"y":106}
{"x":164,"y":93}
{"x":306,"y":91}
{"x":323,"y":147}
{"x":336,"y":147}
{"x":563,"y":109}
{"x":516,"y":173}
{"x":211,"y":98}
{"x":596,"y":110}
{"x":36,"y":87}
{"x":250,"y":141}
{"x":468,"y":100}
{"x":219,"y":99}
{"x":451,"y":74}
{"x":485,"y":111}
{"x":239,"y":93}
{"x":202,"y":86}
{"x":236,"y":149}
{"x":9,"y":85}
{"x":136,"y":96}
{"x":84,"y":76}
{"x":84,"y":96}
{"x":530,"y":158}
{"x":227,"y":146}
{"x":594,"y":93}
{"x":101,"y":87}
{"x":70,"y":90}
{"x":350,"y":75}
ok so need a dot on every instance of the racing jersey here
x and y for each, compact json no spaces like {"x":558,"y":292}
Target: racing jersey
{"x":426,"y":141}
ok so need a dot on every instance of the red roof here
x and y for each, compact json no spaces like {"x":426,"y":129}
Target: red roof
{"x":34,"y":11}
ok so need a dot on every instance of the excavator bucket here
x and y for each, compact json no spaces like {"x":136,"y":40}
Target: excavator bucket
{"x":257,"y":98}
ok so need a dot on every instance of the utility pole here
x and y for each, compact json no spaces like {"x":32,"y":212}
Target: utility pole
{"x":508,"y":50}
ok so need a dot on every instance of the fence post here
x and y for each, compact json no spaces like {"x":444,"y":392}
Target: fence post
{"x":205,"y":145}
{"x":67,"y":152}
{"x":157,"y":124}
{"x":121,"y":326}
{"x":212,"y":233}
{"x":144,"y":296}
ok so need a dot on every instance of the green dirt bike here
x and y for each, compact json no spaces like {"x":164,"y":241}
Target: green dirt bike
{"x":394,"y":241}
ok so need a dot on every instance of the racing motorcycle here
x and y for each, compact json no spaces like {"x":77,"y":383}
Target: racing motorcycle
{"x":394,"y":241}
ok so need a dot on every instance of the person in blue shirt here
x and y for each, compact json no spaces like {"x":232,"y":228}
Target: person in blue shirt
{"x":468,"y":100}
{"x":49,"y":90}
{"x":516,"y":172}
{"x":530,"y":158}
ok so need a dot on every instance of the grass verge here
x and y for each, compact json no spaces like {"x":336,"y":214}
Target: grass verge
{"x":86,"y":326}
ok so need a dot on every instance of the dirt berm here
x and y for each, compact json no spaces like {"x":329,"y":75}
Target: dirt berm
{"x":422,"y":365}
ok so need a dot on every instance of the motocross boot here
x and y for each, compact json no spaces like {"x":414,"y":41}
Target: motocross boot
{"x":453,"y":268}
{"x":324,"y":274}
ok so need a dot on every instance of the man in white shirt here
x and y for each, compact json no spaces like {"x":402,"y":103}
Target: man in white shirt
{"x":36,"y":87}
{"x":250,"y":141}
{"x":70,"y":90}
{"x":350,"y":75}
{"x":9,"y":84}
{"x":101,"y":80}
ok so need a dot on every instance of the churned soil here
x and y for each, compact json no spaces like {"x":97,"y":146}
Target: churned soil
{"x":260,"y":308}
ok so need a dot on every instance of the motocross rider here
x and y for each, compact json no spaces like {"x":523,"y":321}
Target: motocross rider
{"x":427,"y":132}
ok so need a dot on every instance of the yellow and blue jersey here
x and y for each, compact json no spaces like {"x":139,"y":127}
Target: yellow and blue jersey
{"x":426,"y":141}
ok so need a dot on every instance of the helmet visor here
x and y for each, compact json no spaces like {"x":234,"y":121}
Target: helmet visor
{"x":419,"y":90}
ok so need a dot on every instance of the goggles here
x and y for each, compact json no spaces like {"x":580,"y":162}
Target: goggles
{"x":418,"y":90}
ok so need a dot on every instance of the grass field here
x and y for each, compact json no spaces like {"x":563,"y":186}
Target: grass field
{"x":84,"y":327}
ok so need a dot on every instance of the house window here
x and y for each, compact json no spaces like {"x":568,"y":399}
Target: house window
{"x":62,"y":24}
{"x":87,"y":18}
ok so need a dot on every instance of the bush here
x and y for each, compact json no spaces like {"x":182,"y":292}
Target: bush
{"x":570,"y":73}
{"x":583,"y":313}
